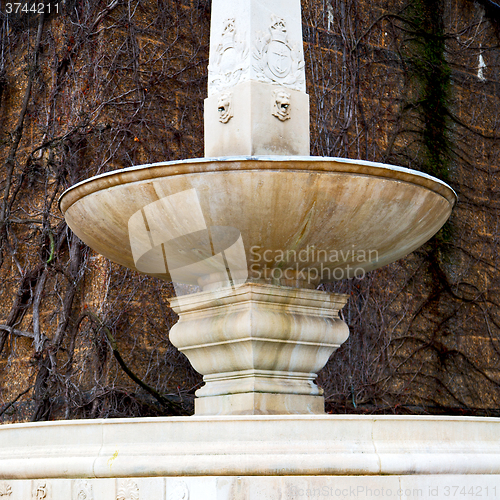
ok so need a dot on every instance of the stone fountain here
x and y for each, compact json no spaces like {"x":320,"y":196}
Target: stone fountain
{"x":246,"y":235}
{"x":258,"y":224}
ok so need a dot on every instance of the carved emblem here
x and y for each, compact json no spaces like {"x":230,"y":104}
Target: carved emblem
{"x":5,"y":489}
{"x":281,"y":107}
{"x":83,"y":491}
{"x":128,"y":490}
{"x":41,"y":490}
{"x":276,"y":61}
{"x":179,"y":491}
{"x":231,"y":59}
{"x":225,"y":107}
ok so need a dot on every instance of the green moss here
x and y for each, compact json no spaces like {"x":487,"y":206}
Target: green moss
{"x":430,"y":76}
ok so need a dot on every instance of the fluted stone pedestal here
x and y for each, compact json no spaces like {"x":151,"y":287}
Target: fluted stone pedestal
{"x":259,"y":347}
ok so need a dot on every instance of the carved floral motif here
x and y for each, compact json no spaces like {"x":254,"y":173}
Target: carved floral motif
{"x":178,"y":491}
{"x":276,"y":61}
{"x":83,"y":491}
{"x":5,"y":489}
{"x":230,"y":60}
{"x":128,"y":490}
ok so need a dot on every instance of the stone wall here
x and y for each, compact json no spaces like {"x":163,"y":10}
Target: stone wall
{"x":396,"y":82}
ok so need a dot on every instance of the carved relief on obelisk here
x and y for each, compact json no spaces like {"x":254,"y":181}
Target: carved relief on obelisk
{"x":275,"y":60}
{"x":257,"y":102}
{"x":230,"y":61}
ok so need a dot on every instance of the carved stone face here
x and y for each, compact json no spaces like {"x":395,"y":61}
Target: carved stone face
{"x":282,"y":105}
{"x":225,"y":107}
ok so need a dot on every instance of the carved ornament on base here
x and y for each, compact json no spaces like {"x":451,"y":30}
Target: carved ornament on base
{"x":128,"y":490}
{"x":5,"y":489}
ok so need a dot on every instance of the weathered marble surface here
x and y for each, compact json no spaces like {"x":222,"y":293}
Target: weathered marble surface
{"x":328,"y":218}
{"x":270,"y":445}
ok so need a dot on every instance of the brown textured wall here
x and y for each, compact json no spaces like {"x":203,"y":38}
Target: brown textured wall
{"x":114,"y":88}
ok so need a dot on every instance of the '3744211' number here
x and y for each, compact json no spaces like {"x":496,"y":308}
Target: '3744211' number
{"x":31,"y":8}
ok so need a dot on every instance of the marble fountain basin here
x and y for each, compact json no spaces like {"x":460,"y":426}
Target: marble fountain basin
{"x":295,"y":221}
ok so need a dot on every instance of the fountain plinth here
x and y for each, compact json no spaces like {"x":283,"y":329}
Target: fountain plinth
{"x":257,"y":228}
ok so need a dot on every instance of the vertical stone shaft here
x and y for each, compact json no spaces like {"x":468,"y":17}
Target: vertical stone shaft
{"x":257,"y":102}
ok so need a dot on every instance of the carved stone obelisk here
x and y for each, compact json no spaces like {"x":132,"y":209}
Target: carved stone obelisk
{"x":257,"y":102}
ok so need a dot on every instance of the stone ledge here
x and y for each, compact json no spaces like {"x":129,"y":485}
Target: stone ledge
{"x":305,"y":445}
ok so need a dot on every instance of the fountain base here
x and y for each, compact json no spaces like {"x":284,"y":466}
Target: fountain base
{"x":252,"y":458}
{"x":254,"y":403}
{"x":259,"y":347}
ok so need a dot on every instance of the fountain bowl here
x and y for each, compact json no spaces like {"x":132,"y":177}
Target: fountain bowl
{"x":293,"y":221}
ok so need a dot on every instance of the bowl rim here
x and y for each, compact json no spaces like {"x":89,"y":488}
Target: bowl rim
{"x":315,"y":164}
